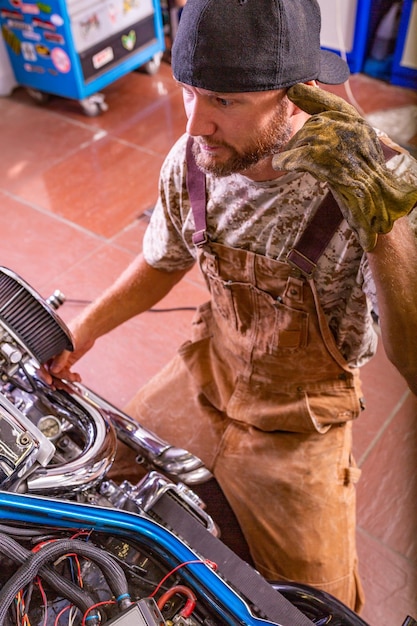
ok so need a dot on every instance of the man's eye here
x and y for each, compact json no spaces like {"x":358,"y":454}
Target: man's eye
{"x":223,"y":102}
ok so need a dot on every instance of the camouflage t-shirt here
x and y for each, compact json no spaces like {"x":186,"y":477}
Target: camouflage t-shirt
{"x":267,"y":218}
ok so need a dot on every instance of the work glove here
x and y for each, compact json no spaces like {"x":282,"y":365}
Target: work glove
{"x":338,"y":146}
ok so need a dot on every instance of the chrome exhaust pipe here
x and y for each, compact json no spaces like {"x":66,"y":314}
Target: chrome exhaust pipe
{"x":151,"y":449}
{"x":89,"y":468}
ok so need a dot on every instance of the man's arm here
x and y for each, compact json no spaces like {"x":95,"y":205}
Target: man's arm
{"x":136,"y":290}
{"x":393,"y":263}
{"x":338,"y":146}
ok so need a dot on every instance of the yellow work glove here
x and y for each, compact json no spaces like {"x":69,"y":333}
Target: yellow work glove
{"x":338,"y":146}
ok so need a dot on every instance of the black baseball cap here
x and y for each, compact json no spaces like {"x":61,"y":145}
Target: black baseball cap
{"x":252,"y":45}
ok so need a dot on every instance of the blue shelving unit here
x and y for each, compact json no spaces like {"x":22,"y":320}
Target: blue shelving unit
{"x":334,"y":23}
{"x":75,"y":48}
{"x":404,"y":66}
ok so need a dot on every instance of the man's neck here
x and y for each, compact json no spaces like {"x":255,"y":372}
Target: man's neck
{"x":262,"y":171}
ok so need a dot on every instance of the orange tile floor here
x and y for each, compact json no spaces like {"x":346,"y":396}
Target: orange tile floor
{"x":75,"y":193}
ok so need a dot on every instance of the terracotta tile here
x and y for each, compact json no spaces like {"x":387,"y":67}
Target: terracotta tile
{"x":125,"y":359}
{"x":101,"y":187}
{"x":32,"y":140}
{"x":158,"y":127}
{"x":130,"y":238}
{"x":375,"y":95}
{"x":144,"y":110}
{"x":387,"y":491}
{"x":86,"y":279}
{"x":389,"y":582}
{"x":186,"y":295}
{"x":122,"y":361}
{"x":38,"y":246}
{"x":383,"y":389}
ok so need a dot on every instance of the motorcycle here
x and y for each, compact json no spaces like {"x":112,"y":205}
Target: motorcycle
{"x":77,"y":546}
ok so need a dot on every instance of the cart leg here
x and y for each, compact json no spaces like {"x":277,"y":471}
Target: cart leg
{"x":40,"y":97}
{"x":94,"y":105}
{"x":152,"y":66}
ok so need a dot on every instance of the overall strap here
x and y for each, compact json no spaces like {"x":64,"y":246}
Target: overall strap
{"x":317,"y":235}
{"x":320,"y":230}
{"x":196,"y":186}
{"x":313,"y":240}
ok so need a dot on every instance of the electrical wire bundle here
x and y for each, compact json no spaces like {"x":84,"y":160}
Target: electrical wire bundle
{"x":35,"y":565}
{"x":56,"y":580}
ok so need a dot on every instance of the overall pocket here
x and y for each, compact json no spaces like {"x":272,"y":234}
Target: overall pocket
{"x":296,"y":410}
{"x":251,"y":318}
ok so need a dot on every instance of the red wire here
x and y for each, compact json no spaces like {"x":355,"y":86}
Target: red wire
{"x":94,"y":606}
{"x":161,"y":582}
{"x":189,"y":605}
{"x":62,"y":611}
{"x":82,"y":533}
{"x":44,"y":598}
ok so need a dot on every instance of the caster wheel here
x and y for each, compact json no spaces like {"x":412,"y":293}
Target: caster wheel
{"x":40,"y":97}
{"x":152,"y":66}
{"x":94,"y":105}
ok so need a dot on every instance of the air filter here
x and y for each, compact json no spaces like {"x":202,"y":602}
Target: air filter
{"x":30,"y":320}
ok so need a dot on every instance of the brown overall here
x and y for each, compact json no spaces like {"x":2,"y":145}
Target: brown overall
{"x":263,"y":396}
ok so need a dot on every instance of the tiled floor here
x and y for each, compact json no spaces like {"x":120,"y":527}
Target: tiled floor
{"x":74,"y":192}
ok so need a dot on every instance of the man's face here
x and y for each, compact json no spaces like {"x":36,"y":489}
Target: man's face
{"x":236,"y":132}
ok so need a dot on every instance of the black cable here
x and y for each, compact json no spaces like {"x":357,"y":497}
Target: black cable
{"x":178,"y":308}
{"x":22,"y":577}
{"x":151,"y":310}
{"x":17,"y":553}
{"x":27,"y":533}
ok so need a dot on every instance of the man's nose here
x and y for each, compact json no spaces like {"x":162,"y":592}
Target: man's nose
{"x":200,"y":118}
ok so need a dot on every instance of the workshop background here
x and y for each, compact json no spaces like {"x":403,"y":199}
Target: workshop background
{"x":78,"y":180}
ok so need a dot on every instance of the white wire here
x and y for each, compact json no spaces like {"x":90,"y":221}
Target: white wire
{"x":342,"y":49}
{"x":72,"y":614}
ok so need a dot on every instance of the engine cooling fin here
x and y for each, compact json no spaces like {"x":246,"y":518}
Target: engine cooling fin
{"x":30,"y":319}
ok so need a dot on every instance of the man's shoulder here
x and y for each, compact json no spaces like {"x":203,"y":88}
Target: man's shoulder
{"x":173,"y":168}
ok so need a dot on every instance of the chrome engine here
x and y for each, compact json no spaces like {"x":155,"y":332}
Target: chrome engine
{"x":62,"y":442}
{"x":60,"y":512}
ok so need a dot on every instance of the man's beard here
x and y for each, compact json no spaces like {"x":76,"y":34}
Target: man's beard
{"x":270,"y":141}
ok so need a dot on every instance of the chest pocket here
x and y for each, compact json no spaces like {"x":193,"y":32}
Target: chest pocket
{"x":255,"y":319}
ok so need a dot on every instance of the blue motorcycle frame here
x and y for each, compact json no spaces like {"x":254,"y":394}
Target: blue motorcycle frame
{"x":226,"y":602}
{"x":56,"y":448}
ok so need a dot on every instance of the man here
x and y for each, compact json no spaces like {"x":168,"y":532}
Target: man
{"x":265,"y":391}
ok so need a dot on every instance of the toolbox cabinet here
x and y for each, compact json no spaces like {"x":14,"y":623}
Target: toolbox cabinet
{"x":349,"y":26}
{"x":75,"y":48}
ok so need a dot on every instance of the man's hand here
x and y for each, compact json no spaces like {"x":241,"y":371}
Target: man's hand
{"x":60,"y":366}
{"x":336,"y":145}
